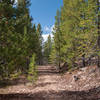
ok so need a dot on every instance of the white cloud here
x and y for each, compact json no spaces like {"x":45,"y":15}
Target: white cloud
{"x":51,"y":35}
{"x":52,"y":28}
{"x":45,"y":36}
{"x":15,"y":1}
{"x":47,"y":31}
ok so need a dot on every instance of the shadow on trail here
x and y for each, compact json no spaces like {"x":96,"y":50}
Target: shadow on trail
{"x":40,"y":73}
{"x":44,"y":84}
{"x":47,"y":71}
{"x":17,"y":81}
{"x":92,"y":94}
{"x":42,"y":70}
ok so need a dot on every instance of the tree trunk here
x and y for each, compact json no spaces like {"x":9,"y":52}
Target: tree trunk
{"x":59,"y":65}
{"x":98,"y":41}
{"x":98,"y":63}
{"x":83,"y":60}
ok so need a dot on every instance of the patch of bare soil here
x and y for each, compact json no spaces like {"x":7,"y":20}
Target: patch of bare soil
{"x":82,"y":84}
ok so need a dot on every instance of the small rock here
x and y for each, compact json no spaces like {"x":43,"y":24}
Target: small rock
{"x":76,"y":78}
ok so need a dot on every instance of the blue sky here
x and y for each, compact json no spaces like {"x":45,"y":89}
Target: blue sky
{"x":44,"y":11}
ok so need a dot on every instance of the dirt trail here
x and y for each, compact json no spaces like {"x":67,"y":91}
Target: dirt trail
{"x":49,"y":80}
{"x":50,"y":86}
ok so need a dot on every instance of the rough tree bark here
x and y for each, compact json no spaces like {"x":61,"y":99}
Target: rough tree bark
{"x":98,"y":40}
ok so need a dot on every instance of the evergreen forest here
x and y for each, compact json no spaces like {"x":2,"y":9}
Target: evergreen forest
{"x":75,"y":45}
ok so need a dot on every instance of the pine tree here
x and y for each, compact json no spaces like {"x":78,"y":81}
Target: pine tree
{"x":32,"y":72}
{"x":39,"y":41}
{"x":58,"y":38}
{"x":47,"y":48}
{"x":52,"y":56}
{"x":6,"y":37}
{"x":15,"y":34}
{"x":88,"y":28}
{"x":69,"y":26}
{"x":77,"y":31}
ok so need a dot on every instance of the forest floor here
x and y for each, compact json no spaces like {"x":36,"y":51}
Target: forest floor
{"x":80,"y":84}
